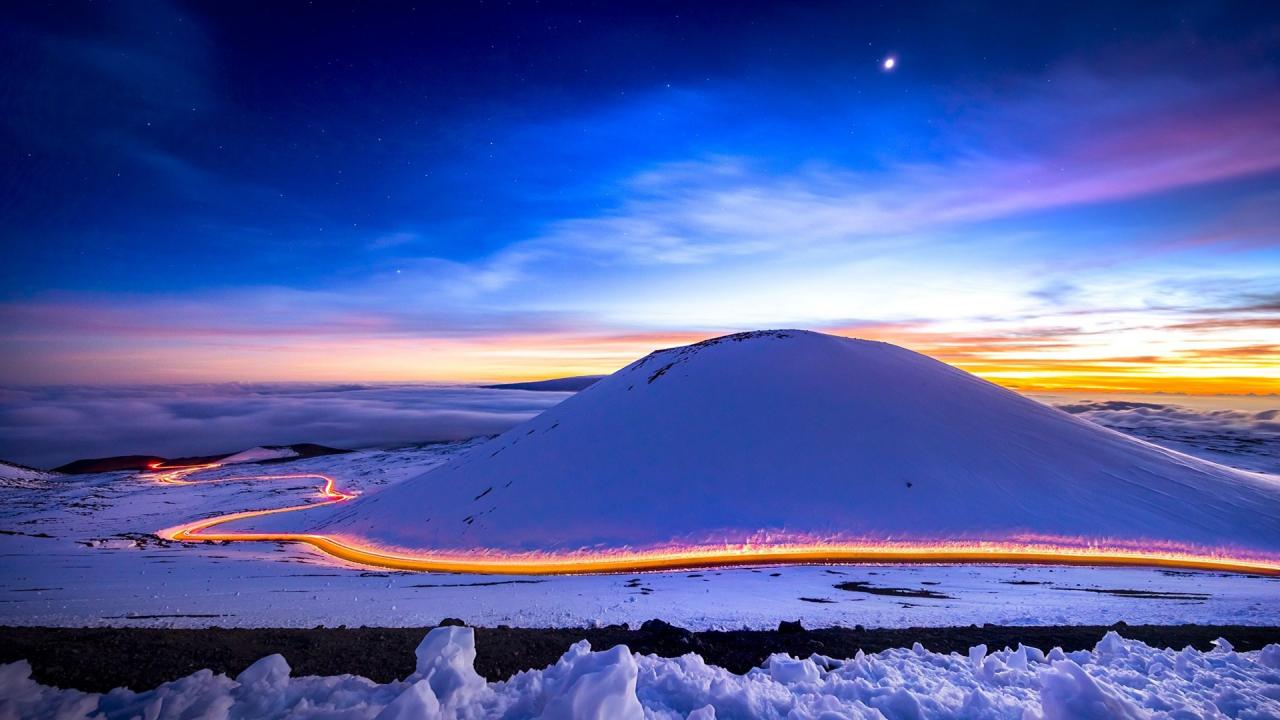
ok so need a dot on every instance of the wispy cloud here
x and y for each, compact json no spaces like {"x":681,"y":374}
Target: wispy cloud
{"x":696,"y":212}
{"x":975,"y":255}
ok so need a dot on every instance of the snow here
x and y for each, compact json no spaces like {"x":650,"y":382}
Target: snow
{"x":21,"y":476}
{"x":788,"y":670}
{"x":78,"y":552}
{"x":585,"y":685}
{"x":792,"y":435}
{"x":259,"y":454}
{"x":415,"y":703}
{"x":1119,"y":678}
{"x":446,"y":663}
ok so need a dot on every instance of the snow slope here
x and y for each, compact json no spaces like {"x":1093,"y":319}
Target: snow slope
{"x":786,"y":435}
{"x":21,"y":476}
{"x":1118,"y":679}
{"x":258,"y":454}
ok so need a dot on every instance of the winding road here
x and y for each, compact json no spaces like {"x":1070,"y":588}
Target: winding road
{"x":355,"y":551}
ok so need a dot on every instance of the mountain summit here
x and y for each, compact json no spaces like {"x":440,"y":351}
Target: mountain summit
{"x":788,"y":435}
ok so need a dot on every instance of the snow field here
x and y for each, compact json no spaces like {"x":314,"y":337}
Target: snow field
{"x":80,"y":556}
{"x":1119,"y":678}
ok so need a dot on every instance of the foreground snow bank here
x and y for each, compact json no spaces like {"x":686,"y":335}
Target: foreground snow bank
{"x":1118,"y":679}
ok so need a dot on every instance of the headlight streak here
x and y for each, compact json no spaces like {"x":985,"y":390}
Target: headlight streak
{"x":354,"y":550}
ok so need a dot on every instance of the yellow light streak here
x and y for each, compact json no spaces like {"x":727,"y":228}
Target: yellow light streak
{"x":1012,"y":551}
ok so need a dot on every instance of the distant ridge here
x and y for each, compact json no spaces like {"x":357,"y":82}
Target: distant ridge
{"x":120,"y":462}
{"x":143,"y":462}
{"x":575,"y":383}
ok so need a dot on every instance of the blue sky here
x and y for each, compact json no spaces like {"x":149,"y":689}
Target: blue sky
{"x":1061,"y":195}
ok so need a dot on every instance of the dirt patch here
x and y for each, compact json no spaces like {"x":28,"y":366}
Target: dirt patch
{"x":1149,"y":594}
{"x":866,"y":587}
{"x":486,"y":583}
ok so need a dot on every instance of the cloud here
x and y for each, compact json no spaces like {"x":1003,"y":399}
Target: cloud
{"x":46,"y":427}
{"x":1148,"y":414}
{"x":1245,"y":352}
{"x":722,"y":242}
{"x":1229,"y":323}
{"x":378,"y":310}
{"x":723,"y":207}
{"x":1245,"y":438}
{"x":1250,"y":224}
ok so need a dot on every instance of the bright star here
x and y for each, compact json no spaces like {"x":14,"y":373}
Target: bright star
{"x":889,"y":63}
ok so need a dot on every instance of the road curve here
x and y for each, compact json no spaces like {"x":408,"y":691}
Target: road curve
{"x":360,"y":553}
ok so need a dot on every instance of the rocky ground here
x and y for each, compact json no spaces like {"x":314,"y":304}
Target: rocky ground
{"x":99,"y":659}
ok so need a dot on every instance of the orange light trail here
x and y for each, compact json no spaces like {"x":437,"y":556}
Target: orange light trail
{"x":628,"y":561}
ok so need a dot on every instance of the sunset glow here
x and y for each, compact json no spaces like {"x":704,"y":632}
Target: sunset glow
{"x":1065,"y":213}
{"x":1170,"y":359}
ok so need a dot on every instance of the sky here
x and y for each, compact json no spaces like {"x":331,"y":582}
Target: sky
{"x":1057,"y":196}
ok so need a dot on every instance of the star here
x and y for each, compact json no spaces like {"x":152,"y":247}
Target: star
{"x":889,"y":63}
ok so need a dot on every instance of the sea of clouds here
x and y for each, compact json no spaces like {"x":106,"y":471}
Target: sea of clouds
{"x":48,"y":426}
{"x":1246,"y":436}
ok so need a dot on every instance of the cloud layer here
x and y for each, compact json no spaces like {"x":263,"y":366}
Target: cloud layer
{"x":1245,"y":438}
{"x":47,"y":427}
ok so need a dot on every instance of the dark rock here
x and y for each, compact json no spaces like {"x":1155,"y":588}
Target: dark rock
{"x":656,"y":626}
{"x":663,"y":629}
{"x":790,"y":626}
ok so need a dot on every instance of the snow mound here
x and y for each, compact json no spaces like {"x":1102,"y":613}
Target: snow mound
{"x":446,"y":662}
{"x":20,"y":476}
{"x":1118,"y":679}
{"x":585,"y":685}
{"x":259,"y":454}
{"x":788,"y":436}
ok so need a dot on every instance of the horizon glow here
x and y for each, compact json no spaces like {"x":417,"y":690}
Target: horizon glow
{"x":461,"y":194}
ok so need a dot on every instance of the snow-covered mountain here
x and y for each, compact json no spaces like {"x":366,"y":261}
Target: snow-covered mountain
{"x":783,"y":435}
